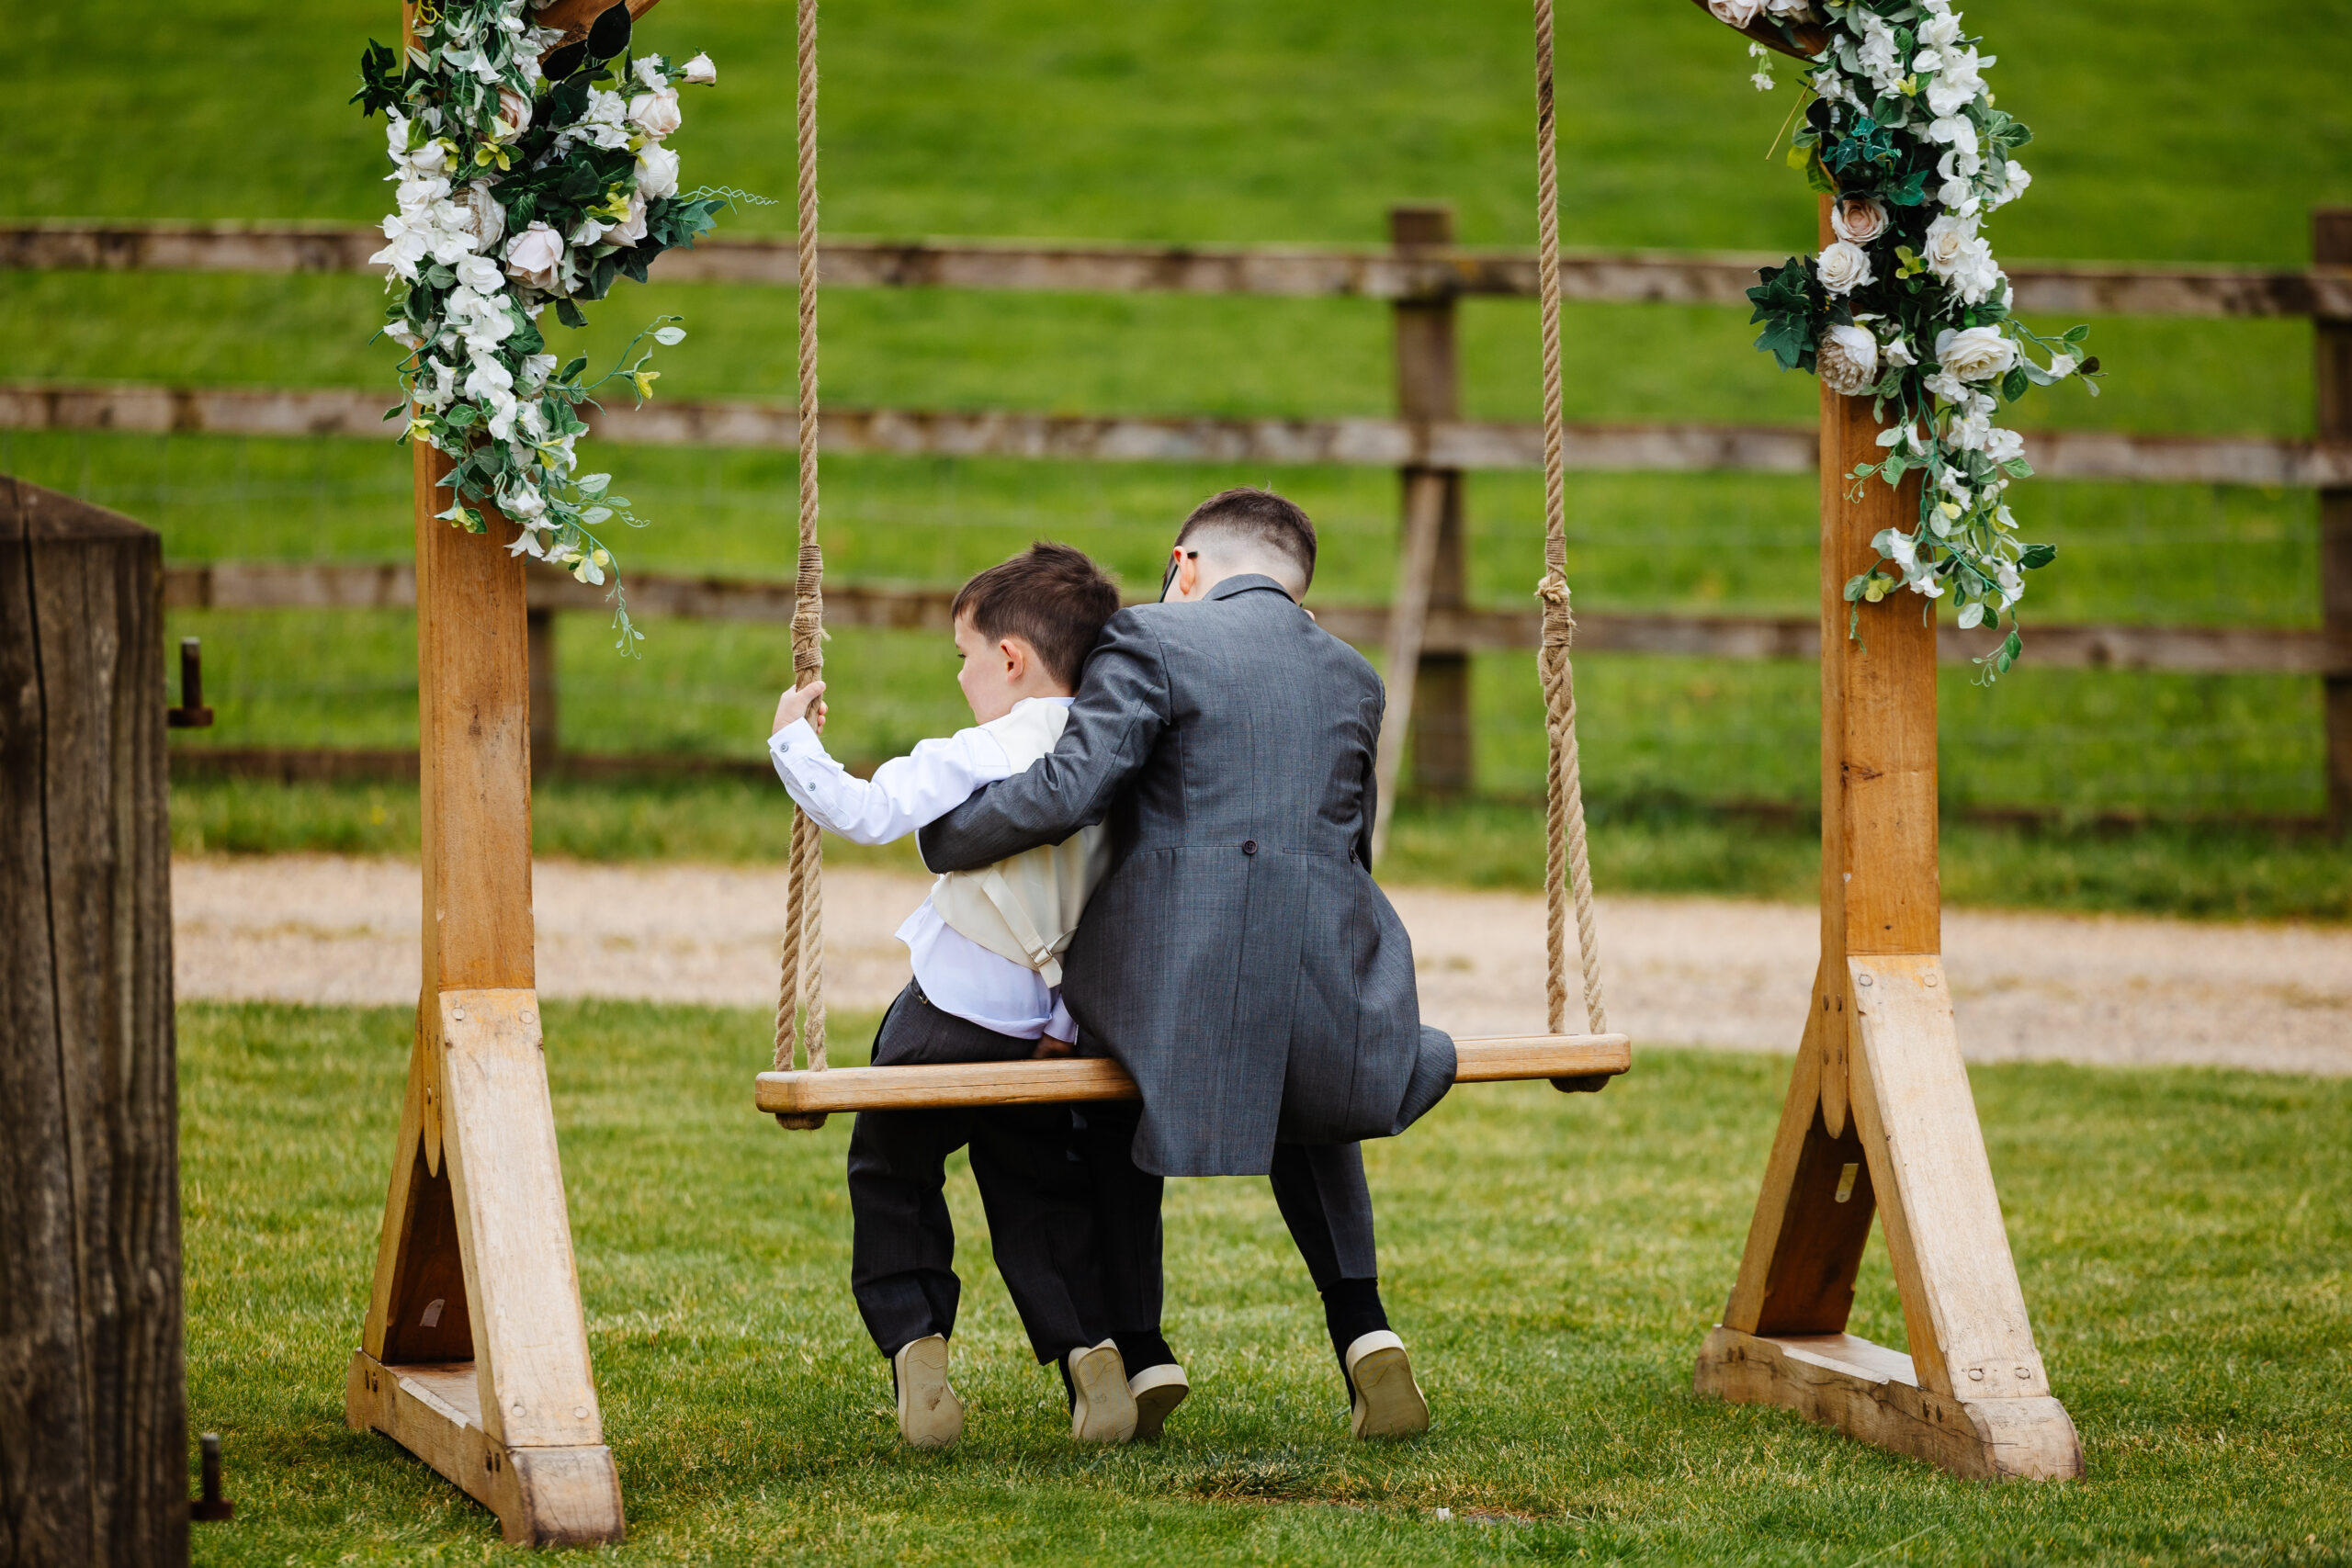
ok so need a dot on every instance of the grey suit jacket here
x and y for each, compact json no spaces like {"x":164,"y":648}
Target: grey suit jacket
{"x":1238,"y":960}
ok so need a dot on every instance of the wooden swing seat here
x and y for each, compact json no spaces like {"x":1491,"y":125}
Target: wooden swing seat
{"x":1500,"y":1059}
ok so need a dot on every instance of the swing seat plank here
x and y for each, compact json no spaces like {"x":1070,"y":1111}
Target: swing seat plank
{"x":1075,"y":1079}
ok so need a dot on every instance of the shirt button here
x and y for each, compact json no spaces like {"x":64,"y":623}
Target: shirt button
{"x":1249,"y":846}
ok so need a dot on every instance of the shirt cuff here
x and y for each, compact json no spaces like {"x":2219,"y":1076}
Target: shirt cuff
{"x":797,"y":736}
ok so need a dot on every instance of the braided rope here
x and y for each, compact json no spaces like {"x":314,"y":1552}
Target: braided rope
{"x":1567,"y":869}
{"x":800,"y":993}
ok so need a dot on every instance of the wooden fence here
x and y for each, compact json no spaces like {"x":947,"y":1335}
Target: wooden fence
{"x":1422,"y":276}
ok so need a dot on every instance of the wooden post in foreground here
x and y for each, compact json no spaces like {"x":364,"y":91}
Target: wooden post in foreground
{"x":2332,"y":340}
{"x":1879,"y":1116}
{"x":475,"y":1354}
{"x":93,"y":1388}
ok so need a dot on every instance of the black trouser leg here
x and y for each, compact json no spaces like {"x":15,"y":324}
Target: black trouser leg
{"x":902,"y":1251}
{"x":1321,"y":1192}
{"x":1041,"y":1225}
{"x":1040,"y":1220}
{"x":1127,"y":1230}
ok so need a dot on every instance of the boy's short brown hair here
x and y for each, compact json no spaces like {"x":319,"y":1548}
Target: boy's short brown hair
{"x":1259,"y":520}
{"x":1051,"y":596}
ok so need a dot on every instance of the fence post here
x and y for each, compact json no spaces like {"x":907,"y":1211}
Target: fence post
{"x":2332,"y":384}
{"x":1429,"y":389}
{"x":538,"y":640}
{"x":93,"y":1397}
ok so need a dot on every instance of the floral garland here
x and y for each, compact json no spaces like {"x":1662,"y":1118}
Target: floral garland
{"x":527,"y":174}
{"x":1908,"y":304}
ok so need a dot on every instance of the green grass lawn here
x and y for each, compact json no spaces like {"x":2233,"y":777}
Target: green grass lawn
{"x":2172,"y":130}
{"x":2182,"y":1236}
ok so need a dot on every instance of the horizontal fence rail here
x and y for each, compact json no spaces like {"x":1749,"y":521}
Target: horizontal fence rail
{"x":1632,"y":278}
{"x":290,"y":586}
{"x":1372,"y":443}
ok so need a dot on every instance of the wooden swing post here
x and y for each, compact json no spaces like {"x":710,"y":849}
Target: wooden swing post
{"x":1878,"y":1117}
{"x":475,"y":1353}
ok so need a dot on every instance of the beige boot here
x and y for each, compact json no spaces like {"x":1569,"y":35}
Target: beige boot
{"x":930,"y":1415}
{"x":1158,"y":1391}
{"x":1388,"y":1402}
{"x":1101,"y":1408}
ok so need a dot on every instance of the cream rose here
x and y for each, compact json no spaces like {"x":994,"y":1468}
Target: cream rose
{"x":1947,"y":244}
{"x":657,"y":173}
{"x":1846,"y":360}
{"x":514,"y":112}
{"x":656,"y":114}
{"x":1974,"y":354}
{"x":535,"y":257}
{"x":1844,"y":267}
{"x":701,"y":71}
{"x":1858,"y":219}
{"x":1737,"y":13}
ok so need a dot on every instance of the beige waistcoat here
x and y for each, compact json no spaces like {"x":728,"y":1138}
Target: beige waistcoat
{"x":1027,"y":908}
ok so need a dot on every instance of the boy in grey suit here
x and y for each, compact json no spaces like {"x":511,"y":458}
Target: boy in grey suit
{"x":1238,"y":960}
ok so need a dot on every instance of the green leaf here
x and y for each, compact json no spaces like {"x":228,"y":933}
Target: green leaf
{"x":571,"y":371}
{"x":2036,"y":556}
{"x":2018,"y":468}
{"x":571,"y":315}
{"x":2078,"y":334}
{"x":2014,"y":384}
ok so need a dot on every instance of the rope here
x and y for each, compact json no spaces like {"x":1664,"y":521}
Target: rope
{"x":800,"y":992}
{"x":1565,"y":867}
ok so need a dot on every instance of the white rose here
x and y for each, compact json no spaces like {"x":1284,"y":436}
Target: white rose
{"x":630,"y":229}
{"x":1974,"y":354}
{"x":514,"y":112}
{"x":1843,"y":268}
{"x":701,"y":71}
{"x":485,"y":217}
{"x":657,"y":173}
{"x":1858,"y":219}
{"x":1846,"y":360}
{"x":535,"y":257}
{"x":1947,"y":243}
{"x":656,"y":114}
{"x":1737,"y":13}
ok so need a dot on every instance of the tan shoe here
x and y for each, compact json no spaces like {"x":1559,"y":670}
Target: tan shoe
{"x":1101,"y":1408}
{"x":1388,"y":1402}
{"x":930,"y":1415}
{"x":1158,"y":1391}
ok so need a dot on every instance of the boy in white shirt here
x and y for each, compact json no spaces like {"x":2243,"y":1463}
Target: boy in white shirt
{"x":985,"y":947}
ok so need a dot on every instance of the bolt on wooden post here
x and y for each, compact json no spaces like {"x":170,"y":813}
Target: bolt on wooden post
{"x":1879,"y":1120}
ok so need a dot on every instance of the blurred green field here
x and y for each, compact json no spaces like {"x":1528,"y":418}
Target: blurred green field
{"x":2160,"y":138}
{"x":1553,"y":1262}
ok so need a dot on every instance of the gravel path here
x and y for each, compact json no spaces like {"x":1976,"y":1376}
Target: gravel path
{"x":1681,"y":971}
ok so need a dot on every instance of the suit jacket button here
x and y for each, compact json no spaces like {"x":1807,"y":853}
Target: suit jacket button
{"x":1249,"y":846}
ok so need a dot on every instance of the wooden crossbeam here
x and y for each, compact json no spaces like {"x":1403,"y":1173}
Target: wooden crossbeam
{"x":1598,"y":278}
{"x":1075,"y":1081}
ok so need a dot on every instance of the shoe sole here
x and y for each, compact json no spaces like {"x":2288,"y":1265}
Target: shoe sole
{"x":1154,"y":1403}
{"x":930,"y":1415}
{"x":1388,"y":1402}
{"x":1103,"y":1411}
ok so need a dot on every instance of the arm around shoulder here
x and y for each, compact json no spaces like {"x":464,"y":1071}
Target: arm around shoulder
{"x":1123,"y":705}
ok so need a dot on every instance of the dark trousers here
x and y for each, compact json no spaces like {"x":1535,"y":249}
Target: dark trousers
{"x":1032,"y":1186}
{"x":1324,"y":1199}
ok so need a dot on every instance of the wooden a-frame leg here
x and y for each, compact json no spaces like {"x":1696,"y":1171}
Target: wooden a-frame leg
{"x":1972,"y":1395}
{"x":476,"y":1354}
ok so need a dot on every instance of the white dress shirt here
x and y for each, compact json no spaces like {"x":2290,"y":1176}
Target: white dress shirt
{"x":905,"y":793}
